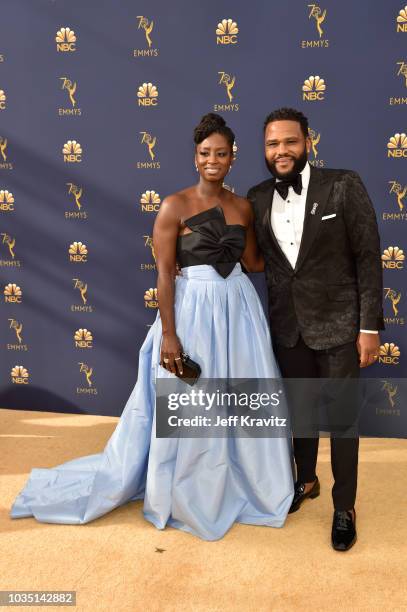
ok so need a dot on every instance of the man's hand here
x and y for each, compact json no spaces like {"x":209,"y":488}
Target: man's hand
{"x":368,"y":346}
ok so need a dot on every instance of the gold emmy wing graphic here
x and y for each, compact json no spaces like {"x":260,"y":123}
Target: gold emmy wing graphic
{"x":393,"y":258}
{"x":394,"y":297}
{"x":19,"y":375}
{"x":402,"y":71}
{"x":6,"y":200}
{"x":147,"y":95}
{"x":389,"y":353}
{"x":76,"y":192}
{"x":83,"y":288}
{"x":2,"y":100}
{"x":65,"y":40}
{"x":3,"y":147}
{"x":10,"y":243}
{"x":72,"y":151}
{"x":313,"y":88}
{"x":147,"y":27}
{"x":70,"y":88}
{"x":148,"y":242}
{"x":399,"y":192}
{"x":229,"y":82}
{"x":150,"y":201}
{"x":83,"y":338}
{"x":88,"y":371}
{"x":226,"y":32}
{"x":397,"y":146}
{"x":315,"y":138}
{"x":12,"y":294}
{"x":402,"y":20}
{"x":150,"y":142}
{"x":391,"y":391}
{"x":77,"y":252}
{"x":18,"y":328}
{"x":319,"y":17}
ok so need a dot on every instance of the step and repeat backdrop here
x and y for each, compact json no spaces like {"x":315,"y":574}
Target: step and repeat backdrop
{"x":98,"y":101}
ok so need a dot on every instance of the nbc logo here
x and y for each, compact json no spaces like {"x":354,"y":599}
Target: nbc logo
{"x":12,"y":294}
{"x":19,"y":375}
{"x":72,"y":152}
{"x":6,"y":200}
{"x":2,"y":100}
{"x":402,"y":20}
{"x":313,"y":89}
{"x":150,"y":201}
{"x":78,"y":252}
{"x":397,"y":146}
{"x":393,"y":258}
{"x":83,"y":338}
{"x":389,"y":354}
{"x":147,"y":95}
{"x":65,"y":40}
{"x":150,"y":298}
{"x":226,"y":32}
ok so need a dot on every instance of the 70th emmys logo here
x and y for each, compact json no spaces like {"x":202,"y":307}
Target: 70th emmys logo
{"x":226,"y":32}
{"x":83,"y":339}
{"x":12,"y":294}
{"x":65,"y":40}
{"x":78,"y":252}
{"x":2,"y":100}
{"x":87,"y":371}
{"x":313,"y":89}
{"x":150,"y":142}
{"x":150,"y":201}
{"x":10,"y":242}
{"x":18,"y":329}
{"x":82,"y":287}
{"x":228,"y":82}
{"x":399,"y":193}
{"x":402,"y":20}
{"x":397,"y":146}
{"x":318,"y":15}
{"x":401,"y":71}
{"x":76,"y":193}
{"x":394,"y":297}
{"x":72,"y":152}
{"x":148,"y":242}
{"x":393,"y":258}
{"x":4,"y":164}
{"x":19,"y":375}
{"x":147,"y":95}
{"x":147,"y":26}
{"x":70,"y":87}
{"x":315,"y":138}
{"x":389,"y":354}
{"x":6,"y":200}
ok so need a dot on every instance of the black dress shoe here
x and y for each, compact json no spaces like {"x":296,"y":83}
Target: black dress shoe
{"x":300,"y":496}
{"x":343,"y":530}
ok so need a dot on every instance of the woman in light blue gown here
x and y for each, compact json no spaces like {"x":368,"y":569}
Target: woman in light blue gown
{"x":212,"y":312}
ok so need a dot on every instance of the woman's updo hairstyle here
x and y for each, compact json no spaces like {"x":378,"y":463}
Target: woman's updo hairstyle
{"x":213,"y":124}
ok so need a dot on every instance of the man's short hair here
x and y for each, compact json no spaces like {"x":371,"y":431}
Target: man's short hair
{"x":288,"y":114}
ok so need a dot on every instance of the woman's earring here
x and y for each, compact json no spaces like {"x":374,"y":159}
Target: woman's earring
{"x":196,"y":167}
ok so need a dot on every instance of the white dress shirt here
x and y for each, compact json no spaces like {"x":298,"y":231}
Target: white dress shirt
{"x":287,"y":220}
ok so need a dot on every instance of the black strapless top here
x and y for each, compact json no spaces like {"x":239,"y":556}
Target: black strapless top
{"x":212,"y":242}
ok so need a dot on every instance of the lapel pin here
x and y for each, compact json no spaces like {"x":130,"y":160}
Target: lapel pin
{"x":314,"y":208}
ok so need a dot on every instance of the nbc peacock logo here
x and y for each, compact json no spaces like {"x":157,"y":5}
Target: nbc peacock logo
{"x":6,"y":200}
{"x":397,"y":146}
{"x":83,"y":339}
{"x":151,"y":298}
{"x":389,"y":354}
{"x":147,"y":95}
{"x":150,"y":201}
{"x":2,"y":100}
{"x":65,"y":39}
{"x":226,"y":32}
{"x":401,"y":21}
{"x":393,"y":258}
{"x":72,"y":152}
{"x":19,"y":375}
{"x":12,"y":294}
{"x":313,"y":89}
{"x":78,"y":252}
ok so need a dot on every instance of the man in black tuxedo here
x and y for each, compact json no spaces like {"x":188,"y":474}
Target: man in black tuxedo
{"x":318,"y":234}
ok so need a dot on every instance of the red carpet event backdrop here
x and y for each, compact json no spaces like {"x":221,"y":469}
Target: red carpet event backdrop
{"x":98,"y":101}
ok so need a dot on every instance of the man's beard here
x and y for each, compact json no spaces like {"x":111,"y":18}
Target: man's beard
{"x":299,"y":165}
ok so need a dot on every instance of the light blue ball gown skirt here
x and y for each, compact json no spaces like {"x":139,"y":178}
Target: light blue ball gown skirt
{"x":198,"y":485}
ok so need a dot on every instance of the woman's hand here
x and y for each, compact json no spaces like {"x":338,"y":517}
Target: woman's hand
{"x":170,"y":356}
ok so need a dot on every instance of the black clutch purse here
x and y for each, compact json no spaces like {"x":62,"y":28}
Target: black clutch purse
{"x":191,"y":370}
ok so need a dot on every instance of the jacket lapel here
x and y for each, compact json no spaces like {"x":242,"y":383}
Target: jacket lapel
{"x":319,"y":189}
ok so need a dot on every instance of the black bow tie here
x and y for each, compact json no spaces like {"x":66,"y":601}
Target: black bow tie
{"x":283,"y":186}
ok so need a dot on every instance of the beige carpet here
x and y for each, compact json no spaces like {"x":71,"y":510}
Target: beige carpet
{"x":112,"y":563}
